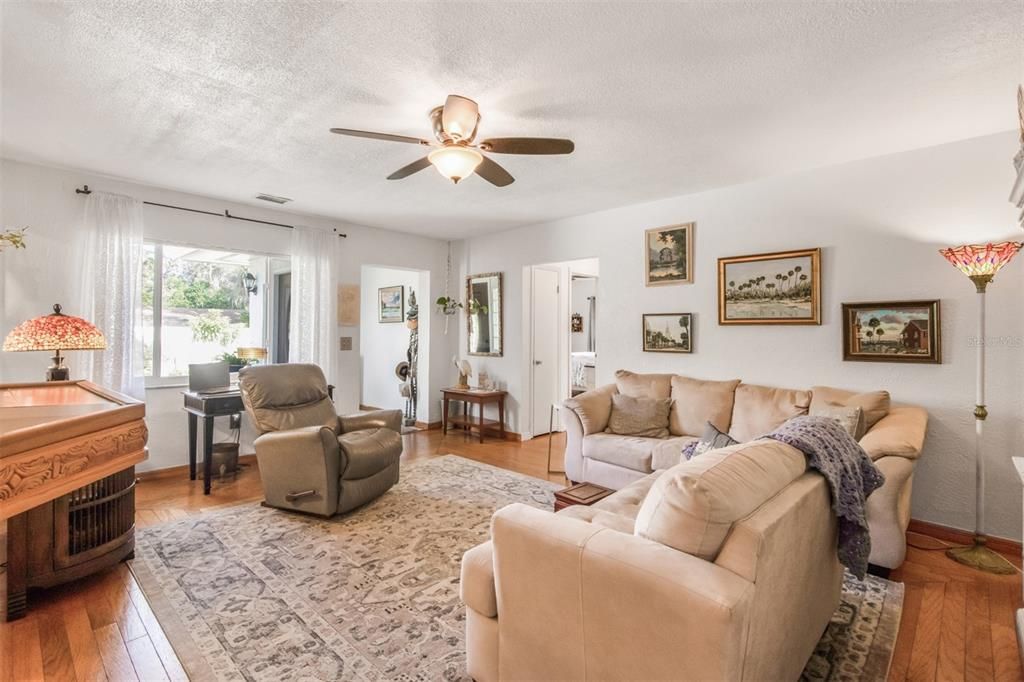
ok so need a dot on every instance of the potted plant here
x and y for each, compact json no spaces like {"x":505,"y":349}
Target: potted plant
{"x":235,"y":363}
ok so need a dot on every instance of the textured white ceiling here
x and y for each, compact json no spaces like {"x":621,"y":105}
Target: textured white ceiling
{"x":232,"y":98}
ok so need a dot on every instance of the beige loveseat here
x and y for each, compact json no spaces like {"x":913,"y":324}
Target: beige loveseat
{"x":720,"y":568}
{"x":894,"y":437}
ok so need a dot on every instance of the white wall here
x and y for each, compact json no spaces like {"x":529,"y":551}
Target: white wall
{"x":879,"y":223}
{"x":382,"y":344}
{"x":31,"y":280}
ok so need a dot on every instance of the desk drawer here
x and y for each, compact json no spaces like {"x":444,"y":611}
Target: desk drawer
{"x":225,"y":404}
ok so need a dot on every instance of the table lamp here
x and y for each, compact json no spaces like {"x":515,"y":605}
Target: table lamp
{"x":981,"y":262}
{"x":55,"y":332}
{"x":252,"y":354}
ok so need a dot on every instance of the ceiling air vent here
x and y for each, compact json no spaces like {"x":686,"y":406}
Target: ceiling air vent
{"x":273,"y":199}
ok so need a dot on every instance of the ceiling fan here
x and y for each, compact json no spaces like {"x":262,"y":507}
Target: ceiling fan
{"x":455,"y":155}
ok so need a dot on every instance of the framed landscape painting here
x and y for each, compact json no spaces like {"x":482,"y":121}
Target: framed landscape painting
{"x":770,"y":288}
{"x":390,"y":304}
{"x":668,"y":255}
{"x":668,"y":333}
{"x":892,"y":331}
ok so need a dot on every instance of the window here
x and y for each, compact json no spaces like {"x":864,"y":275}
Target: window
{"x":196,"y":308}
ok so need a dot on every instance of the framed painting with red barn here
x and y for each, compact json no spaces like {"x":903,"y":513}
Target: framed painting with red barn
{"x":892,"y":331}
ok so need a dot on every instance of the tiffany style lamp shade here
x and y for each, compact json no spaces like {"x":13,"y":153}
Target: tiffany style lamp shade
{"x":55,"y":332}
{"x":981,"y":262}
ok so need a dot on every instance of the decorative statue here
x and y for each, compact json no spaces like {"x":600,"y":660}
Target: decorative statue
{"x":410,"y":387}
{"x":465,"y":371}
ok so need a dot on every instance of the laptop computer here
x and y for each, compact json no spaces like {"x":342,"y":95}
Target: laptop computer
{"x":210,"y":378}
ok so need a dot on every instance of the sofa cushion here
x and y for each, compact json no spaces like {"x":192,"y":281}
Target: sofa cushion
{"x":643,"y":385}
{"x":646,"y":417}
{"x":626,"y":501}
{"x":599,"y":517}
{"x":631,"y":452}
{"x":696,"y":402}
{"x":668,"y":452}
{"x":875,"y":404}
{"x":692,"y":506}
{"x":762,"y":409}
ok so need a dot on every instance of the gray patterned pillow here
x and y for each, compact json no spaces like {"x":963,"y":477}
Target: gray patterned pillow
{"x":850,"y":418}
{"x":711,"y":439}
{"x":639,"y":416}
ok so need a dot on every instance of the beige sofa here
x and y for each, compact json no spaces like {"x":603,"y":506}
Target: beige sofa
{"x":720,"y":568}
{"x":894,"y":437}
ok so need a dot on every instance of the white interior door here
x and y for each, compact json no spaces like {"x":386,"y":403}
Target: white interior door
{"x":545,"y":347}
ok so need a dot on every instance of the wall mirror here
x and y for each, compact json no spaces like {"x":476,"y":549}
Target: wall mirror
{"x":483,"y":314}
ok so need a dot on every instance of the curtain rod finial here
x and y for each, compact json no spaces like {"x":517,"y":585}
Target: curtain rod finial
{"x":85,"y":190}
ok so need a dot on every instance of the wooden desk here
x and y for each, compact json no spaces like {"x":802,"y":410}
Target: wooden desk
{"x":206,"y":406}
{"x":67,"y":481}
{"x":478,"y":397}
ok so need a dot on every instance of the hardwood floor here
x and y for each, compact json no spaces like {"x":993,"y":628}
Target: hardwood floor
{"x":957,"y":623}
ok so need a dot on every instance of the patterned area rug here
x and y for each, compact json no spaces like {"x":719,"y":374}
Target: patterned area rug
{"x":252,"y":593}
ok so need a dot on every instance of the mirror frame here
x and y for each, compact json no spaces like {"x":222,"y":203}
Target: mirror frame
{"x":501,"y":314}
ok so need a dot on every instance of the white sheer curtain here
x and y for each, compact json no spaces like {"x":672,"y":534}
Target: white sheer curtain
{"x":112,"y":290}
{"x":312,"y":323}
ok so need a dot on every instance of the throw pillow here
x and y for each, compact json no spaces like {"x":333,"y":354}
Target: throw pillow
{"x":711,"y":439}
{"x":646,"y":417}
{"x":850,"y":418}
{"x":875,"y":404}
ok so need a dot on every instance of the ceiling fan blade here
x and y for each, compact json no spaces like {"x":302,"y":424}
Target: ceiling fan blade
{"x":494,"y":174}
{"x":379,"y":136}
{"x":414,"y":167}
{"x":527,"y":145}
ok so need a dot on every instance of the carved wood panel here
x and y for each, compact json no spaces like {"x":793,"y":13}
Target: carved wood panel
{"x":28,"y":471}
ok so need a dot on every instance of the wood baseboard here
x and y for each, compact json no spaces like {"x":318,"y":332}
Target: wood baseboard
{"x":183,"y":469}
{"x":428,"y":426}
{"x":962,"y":537}
{"x":369,"y":408}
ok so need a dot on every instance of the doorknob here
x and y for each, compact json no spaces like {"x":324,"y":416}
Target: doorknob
{"x":536,"y":362}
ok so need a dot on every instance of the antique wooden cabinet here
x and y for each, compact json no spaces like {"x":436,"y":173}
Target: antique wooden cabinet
{"x":68,"y":451}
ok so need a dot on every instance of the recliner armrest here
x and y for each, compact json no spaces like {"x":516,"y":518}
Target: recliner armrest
{"x":377,"y":419}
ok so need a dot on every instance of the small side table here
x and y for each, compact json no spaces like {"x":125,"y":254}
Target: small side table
{"x":478,"y":397}
{"x":585,"y":494}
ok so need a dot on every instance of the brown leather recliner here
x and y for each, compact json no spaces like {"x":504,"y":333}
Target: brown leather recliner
{"x":311,"y":460}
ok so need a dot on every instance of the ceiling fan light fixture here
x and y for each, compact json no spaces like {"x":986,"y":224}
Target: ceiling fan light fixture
{"x":459,"y":117}
{"x":455,"y":162}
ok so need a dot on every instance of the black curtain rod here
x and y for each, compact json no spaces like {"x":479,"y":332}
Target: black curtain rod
{"x":85,"y":190}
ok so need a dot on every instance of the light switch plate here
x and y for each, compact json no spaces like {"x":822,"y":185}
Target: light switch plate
{"x":346,"y":343}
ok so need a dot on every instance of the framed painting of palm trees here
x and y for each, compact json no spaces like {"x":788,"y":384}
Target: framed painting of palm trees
{"x":770,"y":288}
{"x":892,"y":331}
{"x":668,"y":333}
{"x":668,"y":255}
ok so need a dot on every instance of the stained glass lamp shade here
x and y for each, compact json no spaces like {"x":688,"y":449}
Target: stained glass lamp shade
{"x":55,"y":332}
{"x":981,"y":262}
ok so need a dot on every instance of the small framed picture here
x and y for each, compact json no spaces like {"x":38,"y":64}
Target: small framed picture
{"x":770,"y":288}
{"x":892,"y":331}
{"x":668,"y":332}
{"x":390,"y":304}
{"x":668,"y":255}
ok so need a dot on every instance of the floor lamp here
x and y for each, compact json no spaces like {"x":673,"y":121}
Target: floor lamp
{"x":981,"y":262}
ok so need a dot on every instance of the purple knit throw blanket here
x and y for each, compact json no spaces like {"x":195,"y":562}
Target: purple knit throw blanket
{"x":851,"y":476}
